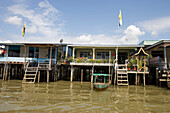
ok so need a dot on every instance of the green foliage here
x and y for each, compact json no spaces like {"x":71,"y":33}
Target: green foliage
{"x":91,"y":61}
{"x":133,"y":61}
{"x":140,"y":64}
{"x":79,"y":60}
{"x":129,"y":65}
{"x":149,"y":56}
{"x":70,"y":59}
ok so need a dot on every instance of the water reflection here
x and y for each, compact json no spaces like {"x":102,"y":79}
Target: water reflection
{"x":65,"y":96}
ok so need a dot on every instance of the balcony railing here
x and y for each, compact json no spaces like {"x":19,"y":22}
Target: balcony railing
{"x":22,"y":59}
{"x":86,"y":60}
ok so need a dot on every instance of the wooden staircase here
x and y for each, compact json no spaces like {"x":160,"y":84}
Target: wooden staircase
{"x":30,"y":74}
{"x":122,"y":76}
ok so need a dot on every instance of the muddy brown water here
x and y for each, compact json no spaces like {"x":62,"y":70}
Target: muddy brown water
{"x":63,"y":97}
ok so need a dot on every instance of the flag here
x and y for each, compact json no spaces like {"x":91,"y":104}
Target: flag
{"x":120,"y":19}
{"x":23,"y":32}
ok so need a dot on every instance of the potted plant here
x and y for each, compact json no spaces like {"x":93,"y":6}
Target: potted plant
{"x":70,"y":59}
{"x":91,"y":61}
{"x":140,"y":65}
{"x":129,"y":65}
{"x":134,"y":63}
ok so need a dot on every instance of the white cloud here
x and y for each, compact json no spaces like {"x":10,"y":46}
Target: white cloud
{"x":156,"y":26}
{"x":6,"y":41}
{"x":42,"y":22}
{"x":131,"y":36}
{"x":14,"y":20}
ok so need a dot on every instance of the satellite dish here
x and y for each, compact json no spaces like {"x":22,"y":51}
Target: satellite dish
{"x":61,"y":40}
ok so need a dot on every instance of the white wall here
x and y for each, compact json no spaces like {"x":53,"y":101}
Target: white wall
{"x":43,"y":52}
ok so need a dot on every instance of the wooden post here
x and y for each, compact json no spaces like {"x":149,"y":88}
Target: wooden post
{"x":72,"y":71}
{"x":62,"y":69}
{"x":165,"y":57}
{"x":137,"y":63}
{"x":50,"y":58}
{"x":109,"y":64}
{"x":81,"y":76}
{"x":6,"y":72}
{"x":73,"y":53}
{"x":144,"y":79}
{"x":144,"y":63}
{"x":92,"y":74}
{"x":111,"y":75}
{"x":2,"y":71}
{"x":38,"y":76}
{"x":66,"y":52}
{"x":47,"y":75}
{"x":25,"y":57}
{"x":9,"y":73}
{"x":16,"y":72}
{"x":136,"y":78}
{"x":93,"y":53}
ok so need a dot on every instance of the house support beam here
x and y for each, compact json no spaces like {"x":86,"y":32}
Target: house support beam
{"x":72,"y":72}
{"x":66,"y":52}
{"x":93,"y":53}
{"x":92,"y":74}
{"x":165,"y":57}
{"x":50,"y":58}
{"x":73,"y":53}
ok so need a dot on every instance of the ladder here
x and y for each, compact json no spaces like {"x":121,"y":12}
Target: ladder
{"x":30,"y":74}
{"x":122,"y":76}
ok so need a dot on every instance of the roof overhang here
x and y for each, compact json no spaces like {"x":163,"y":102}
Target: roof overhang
{"x":164,"y":42}
{"x":105,"y":46}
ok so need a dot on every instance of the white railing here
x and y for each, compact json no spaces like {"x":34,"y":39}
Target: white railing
{"x":22,"y":59}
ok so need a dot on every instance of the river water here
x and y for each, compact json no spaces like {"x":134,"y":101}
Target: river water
{"x":63,"y":96}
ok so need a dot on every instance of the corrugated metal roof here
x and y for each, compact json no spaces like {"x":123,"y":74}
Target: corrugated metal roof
{"x":99,"y":45}
{"x":148,"y":42}
{"x":157,"y":43}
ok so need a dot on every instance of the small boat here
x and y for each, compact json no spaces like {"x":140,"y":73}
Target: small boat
{"x":101,"y":81}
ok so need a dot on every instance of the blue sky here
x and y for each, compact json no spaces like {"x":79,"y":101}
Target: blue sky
{"x":84,"y":21}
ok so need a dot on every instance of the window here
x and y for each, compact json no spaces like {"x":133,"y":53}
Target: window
{"x":102,"y":55}
{"x":86,"y":54}
{"x":14,"y":51}
{"x":31,"y":52}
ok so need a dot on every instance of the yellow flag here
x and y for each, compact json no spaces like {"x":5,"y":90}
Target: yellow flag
{"x":120,"y":18}
{"x":23,"y":31}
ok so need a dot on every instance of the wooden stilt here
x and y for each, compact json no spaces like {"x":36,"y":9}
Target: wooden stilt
{"x":115,"y":78}
{"x":81,"y":75}
{"x":62,"y":72}
{"x":144,"y":79}
{"x":47,"y":75}
{"x":6,"y":72}
{"x":16,"y":73}
{"x":72,"y":71}
{"x":9,"y":77}
{"x":92,"y":74}
{"x":111,"y":74}
{"x":136,"y":78}
{"x":38,"y":76}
